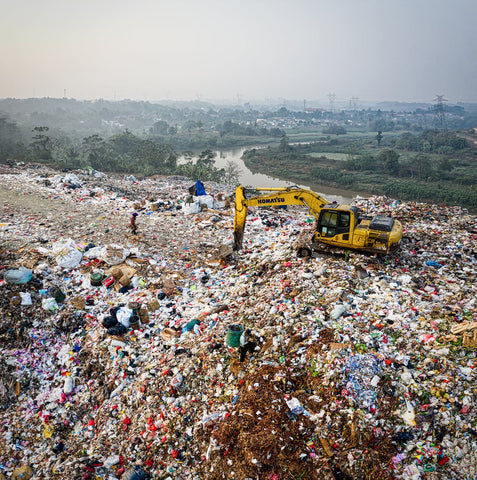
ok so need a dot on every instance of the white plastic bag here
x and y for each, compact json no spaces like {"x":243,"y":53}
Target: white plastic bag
{"x":69,"y":385}
{"x":66,"y":253}
{"x":94,"y":252}
{"x":338,"y":311}
{"x":123,"y":315}
{"x":295,"y":406}
{"x":218,"y":204}
{"x":206,"y":200}
{"x":190,"y":208}
{"x":49,"y":304}
{"x":26,"y":298}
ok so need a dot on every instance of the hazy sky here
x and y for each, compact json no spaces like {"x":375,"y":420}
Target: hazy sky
{"x":402,"y":50}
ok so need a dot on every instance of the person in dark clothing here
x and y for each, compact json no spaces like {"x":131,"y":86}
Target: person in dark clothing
{"x":133,"y":224}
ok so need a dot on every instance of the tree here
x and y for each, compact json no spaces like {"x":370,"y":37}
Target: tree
{"x":41,"y":145}
{"x":379,"y":137}
{"x":335,"y":130}
{"x":189,"y":125}
{"x":159,"y":128}
{"x":65,"y":154}
{"x":11,"y":144}
{"x":95,"y":150}
{"x":73,"y":156}
{"x":351,"y":153}
{"x":204,"y":167}
{"x":445,"y":150}
{"x":367,"y":162}
{"x":276,"y":132}
{"x":206,"y":159}
{"x":232,"y":173}
{"x":142,"y":155}
{"x":444,"y":164}
{"x":389,"y":160}
{"x":282,"y":112}
{"x":407,"y":141}
{"x":284,"y":145}
{"x":423,"y":165}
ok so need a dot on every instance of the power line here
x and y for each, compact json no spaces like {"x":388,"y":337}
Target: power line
{"x":440,"y":111}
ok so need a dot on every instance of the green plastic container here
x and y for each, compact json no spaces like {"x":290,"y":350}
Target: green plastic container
{"x":234,"y":333}
{"x":96,"y":279}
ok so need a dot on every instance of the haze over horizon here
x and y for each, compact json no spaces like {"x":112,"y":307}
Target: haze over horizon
{"x":407,"y":51}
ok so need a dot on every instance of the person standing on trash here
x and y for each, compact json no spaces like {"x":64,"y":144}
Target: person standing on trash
{"x":133,"y":225}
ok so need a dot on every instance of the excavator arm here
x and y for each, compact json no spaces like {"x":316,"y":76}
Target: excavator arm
{"x":281,"y":196}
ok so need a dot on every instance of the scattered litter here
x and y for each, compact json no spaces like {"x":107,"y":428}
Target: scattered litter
{"x":168,"y":355}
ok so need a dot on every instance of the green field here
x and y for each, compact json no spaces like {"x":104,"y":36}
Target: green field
{"x":330,"y":155}
{"x":437,"y":168}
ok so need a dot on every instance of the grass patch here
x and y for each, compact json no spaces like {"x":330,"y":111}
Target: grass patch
{"x":330,"y":155}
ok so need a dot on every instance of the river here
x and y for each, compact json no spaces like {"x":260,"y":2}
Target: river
{"x":249,"y":179}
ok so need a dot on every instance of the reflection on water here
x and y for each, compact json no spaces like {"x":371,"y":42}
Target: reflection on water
{"x":250,"y":179}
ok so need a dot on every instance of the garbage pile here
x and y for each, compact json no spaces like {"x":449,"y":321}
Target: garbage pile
{"x":166,"y":355}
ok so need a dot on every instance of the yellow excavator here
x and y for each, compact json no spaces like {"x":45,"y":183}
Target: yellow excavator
{"x":343,"y":226}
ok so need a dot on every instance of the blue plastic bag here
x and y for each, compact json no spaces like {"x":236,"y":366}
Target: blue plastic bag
{"x":18,"y":277}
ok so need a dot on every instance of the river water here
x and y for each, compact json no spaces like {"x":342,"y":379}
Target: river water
{"x":249,"y":179}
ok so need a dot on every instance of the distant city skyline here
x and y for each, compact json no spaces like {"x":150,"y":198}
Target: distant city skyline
{"x":323,"y":51}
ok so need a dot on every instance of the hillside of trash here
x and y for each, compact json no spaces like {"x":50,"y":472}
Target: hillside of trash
{"x":167,"y":355}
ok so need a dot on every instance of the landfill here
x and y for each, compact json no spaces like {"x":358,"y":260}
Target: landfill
{"x":167,"y":355}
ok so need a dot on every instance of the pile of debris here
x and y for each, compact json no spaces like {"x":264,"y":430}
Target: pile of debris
{"x":167,"y":355}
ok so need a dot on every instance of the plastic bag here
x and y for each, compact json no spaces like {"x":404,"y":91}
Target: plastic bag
{"x":114,"y":254}
{"x":123,"y":315}
{"x":295,"y":406}
{"x":26,"y":298}
{"x":338,"y":310}
{"x":66,"y":253}
{"x":190,"y":208}
{"x":111,"y":460}
{"x":69,"y":385}
{"x":49,"y":304}
{"x":135,"y":473}
{"x":18,"y":277}
{"x":207,"y":200}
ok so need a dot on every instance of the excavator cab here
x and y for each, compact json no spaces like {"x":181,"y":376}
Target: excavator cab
{"x":333,"y":222}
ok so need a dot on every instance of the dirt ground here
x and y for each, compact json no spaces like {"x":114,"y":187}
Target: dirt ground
{"x":33,"y":214}
{"x":52,"y":215}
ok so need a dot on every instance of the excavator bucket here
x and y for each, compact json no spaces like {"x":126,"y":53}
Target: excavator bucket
{"x":238,"y":238}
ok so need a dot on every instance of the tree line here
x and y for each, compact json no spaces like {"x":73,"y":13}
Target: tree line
{"x":435,"y":166}
{"x":432,"y":163}
{"x":123,"y":153}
